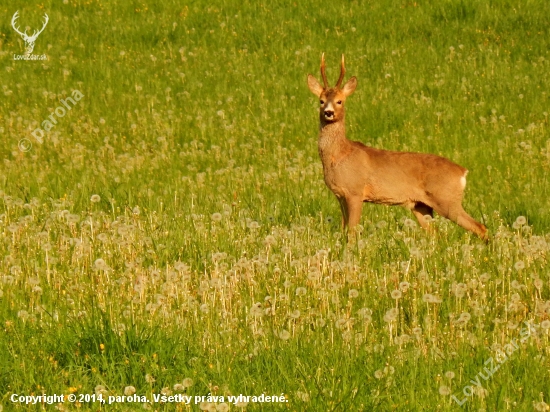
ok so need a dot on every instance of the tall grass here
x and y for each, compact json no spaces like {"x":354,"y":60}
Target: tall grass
{"x":172,"y":233}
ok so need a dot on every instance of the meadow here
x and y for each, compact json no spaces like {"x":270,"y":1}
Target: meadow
{"x":172,"y":233}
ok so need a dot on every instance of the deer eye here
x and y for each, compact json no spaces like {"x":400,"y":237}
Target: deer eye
{"x":322,"y":102}
{"x":339,"y":102}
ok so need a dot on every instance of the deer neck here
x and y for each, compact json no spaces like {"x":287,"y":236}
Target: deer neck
{"x":332,"y":140}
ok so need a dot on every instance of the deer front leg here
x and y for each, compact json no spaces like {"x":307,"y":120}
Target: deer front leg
{"x":355,"y":206}
{"x":351,"y":214}
{"x":344,"y":209}
{"x":420,"y":210}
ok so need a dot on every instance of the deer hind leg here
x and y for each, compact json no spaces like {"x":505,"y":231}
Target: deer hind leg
{"x":469,"y":223}
{"x":457,"y":214}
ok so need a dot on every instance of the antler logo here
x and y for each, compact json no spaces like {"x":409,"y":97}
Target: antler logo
{"x":29,"y":40}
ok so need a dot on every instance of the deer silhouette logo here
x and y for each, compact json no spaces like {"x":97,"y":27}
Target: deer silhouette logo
{"x":29,"y":40}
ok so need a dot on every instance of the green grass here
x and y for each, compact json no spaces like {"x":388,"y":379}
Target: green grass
{"x":214,"y":252}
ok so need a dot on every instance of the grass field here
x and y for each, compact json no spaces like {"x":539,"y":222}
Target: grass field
{"x":172,"y":232}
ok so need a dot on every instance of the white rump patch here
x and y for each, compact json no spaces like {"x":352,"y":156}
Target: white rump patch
{"x":463,"y":180}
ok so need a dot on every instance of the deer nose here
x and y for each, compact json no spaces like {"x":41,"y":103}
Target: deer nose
{"x":329,"y":113}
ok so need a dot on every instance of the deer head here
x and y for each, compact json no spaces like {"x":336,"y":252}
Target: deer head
{"x":29,"y":40}
{"x":331,"y":98}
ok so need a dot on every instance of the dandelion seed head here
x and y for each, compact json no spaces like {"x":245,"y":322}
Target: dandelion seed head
{"x":364,"y":312}
{"x":378,"y":348}
{"x":207,"y":406}
{"x":181,"y":267}
{"x":515,"y":297}
{"x":519,"y":265}
{"x":129,"y":390}
{"x":444,"y":390}
{"x":484,"y":277}
{"x":409,"y":223}
{"x":339,"y":323}
{"x":464,"y":317}
{"x":389,"y":370}
{"x":541,"y":406}
{"x":382,"y":224}
{"x":23,"y":314}
{"x":99,"y":264}
{"x":353,"y":293}
{"x":270,"y":240}
{"x":402,"y":340}
{"x":415,"y":252}
{"x":460,"y":290}
{"x":284,"y":334}
{"x":72,"y":218}
{"x":102,"y":237}
{"x":429,"y":298}
{"x":100,"y":390}
{"x":391,"y":315}
{"x":256,"y":310}
{"x":396,"y":294}
{"x":404,"y":286}
{"x":218,"y":256}
{"x":253,"y":225}
{"x":301,"y":291}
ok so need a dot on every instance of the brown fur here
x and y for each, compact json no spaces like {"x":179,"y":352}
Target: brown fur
{"x":357,"y":173}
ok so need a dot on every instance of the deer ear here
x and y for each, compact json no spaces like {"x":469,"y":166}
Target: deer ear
{"x":350,"y":86}
{"x":314,"y":85}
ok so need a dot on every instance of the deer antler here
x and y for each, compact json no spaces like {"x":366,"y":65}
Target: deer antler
{"x":342,"y":72}
{"x":323,"y":73}
{"x":13,"y":20}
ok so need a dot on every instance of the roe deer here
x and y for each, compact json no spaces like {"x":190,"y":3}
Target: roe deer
{"x":357,"y":173}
